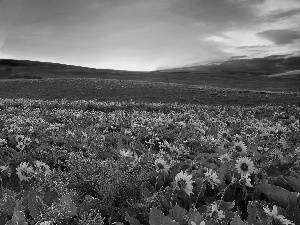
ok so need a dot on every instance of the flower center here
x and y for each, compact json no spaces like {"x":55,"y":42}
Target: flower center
{"x":160,"y":166}
{"x":181,"y":184}
{"x":244,"y":166}
{"x":238,"y":148}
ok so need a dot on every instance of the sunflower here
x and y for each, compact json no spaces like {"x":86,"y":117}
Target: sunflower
{"x":161,"y":165}
{"x":274,"y":215}
{"x":24,"y":171}
{"x":244,"y":165}
{"x":240,"y":147}
{"x":225,"y":158}
{"x":183,"y":181}
{"x":212,"y":177}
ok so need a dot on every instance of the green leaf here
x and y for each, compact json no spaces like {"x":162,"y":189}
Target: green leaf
{"x":256,"y":214}
{"x":237,"y":220}
{"x":50,"y":196}
{"x":293,"y":210}
{"x":195,"y":218}
{"x":158,"y":218}
{"x":293,"y":182}
{"x":32,"y":204}
{"x":131,"y":220}
{"x":177,"y":213}
{"x":275,"y":193}
{"x":69,"y":205}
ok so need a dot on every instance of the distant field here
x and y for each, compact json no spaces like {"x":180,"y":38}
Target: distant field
{"x":121,"y":90}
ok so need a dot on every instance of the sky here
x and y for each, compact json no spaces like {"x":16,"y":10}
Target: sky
{"x":145,"y":35}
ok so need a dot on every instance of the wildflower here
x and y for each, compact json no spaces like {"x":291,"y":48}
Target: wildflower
{"x":274,"y":215}
{"x":212,"y":177}
{"x":84,"y":136}
{"x":19,"y":138}
{"x":162,"y":165}
{"x":126,"y":153}
{"x":246,"y":179}
{"x":27,"y":141}
{"x":240,"y":147}
{"x":46,"y":223}
{"x":2,"y":142}
{"x":70,"y":134}
{"x":21,"y":146}
{"x":24,"y":171}
{"x":225,"y":158}
{"x":43,"y":167}
{"x":184,"y":182}
{"x":244,"y":166}
{"x":216,"y":213}
{"x":3,"y":168}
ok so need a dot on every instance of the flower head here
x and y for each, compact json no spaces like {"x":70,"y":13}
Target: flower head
{"x":212,"y":177}
{"x":2,"y":142}
{"x":42,"y":167}
{"x":24,"y":171}
{"x":161,"y":165}
{"x":240,"y":147}
{"x":244,"y":165}
{"x":183,"y":181}
{"x":274,"y":215}
{"x":225,"y":158}
{"x":219,"y":214}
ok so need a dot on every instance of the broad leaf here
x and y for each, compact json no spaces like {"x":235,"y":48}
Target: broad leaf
{"x":158,"y":218}
{"x":131,"y":220}
{"x":275,"y":193}
{"x":237,"y":221}
{"x":70,"y":208}
{"x":293,"y":182}
{"x":177,"y":213}
{"x":32,"y":205}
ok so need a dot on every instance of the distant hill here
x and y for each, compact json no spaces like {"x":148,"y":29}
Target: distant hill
{"x":273,"y":64}
{"x":245,"y":74}
{"x":10,"y":68}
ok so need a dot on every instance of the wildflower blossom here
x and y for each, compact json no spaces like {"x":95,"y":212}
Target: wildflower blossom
{"x":24,"y":171}
{"x":162,"y":165}
{"x":216,"y":213}
{"x":42,"y":167}
{"x":225,"y":158}
{"x":126,"y":153}
{"x":21,"y":146}
{"x":246,"y":179}
{"x":2,"y":142}
{"x":3,"y":168}
{"x":244,"y":165}
{"x":274,"y":215}
{"x":240,"y":147}
{"x":212,"y":177}
{"x":19,"y":138}
{"x":184,"y":182}
{"x":27,"y":141}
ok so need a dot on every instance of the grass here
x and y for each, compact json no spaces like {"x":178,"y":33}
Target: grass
{"x":121,"y":90}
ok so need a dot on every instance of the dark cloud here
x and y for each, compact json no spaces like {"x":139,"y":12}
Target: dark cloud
{"x":218,"y":13}
{"x":280,"y":37}
{"x":253,"y":46}
{"x":283,"y":14}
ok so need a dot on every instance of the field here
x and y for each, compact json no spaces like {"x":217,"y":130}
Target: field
{"x":105,"y":151}
{"x":140,"y":91}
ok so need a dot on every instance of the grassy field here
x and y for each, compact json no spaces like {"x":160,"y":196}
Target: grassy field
{"x":121,"y":90}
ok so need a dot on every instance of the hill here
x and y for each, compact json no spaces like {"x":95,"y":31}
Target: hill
{"x":244,"y":74}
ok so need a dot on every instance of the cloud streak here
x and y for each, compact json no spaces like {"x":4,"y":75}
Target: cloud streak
{"x":280,"y":37}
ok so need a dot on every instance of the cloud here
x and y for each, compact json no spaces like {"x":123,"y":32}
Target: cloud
{"x":219,"y":13}
{"x":282,"y":14}
{"x":280,"y":37}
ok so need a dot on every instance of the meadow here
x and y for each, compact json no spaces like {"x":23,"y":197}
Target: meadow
{"x":150,"y":153}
